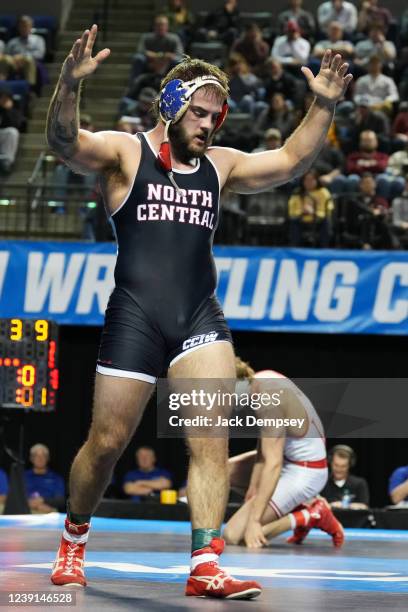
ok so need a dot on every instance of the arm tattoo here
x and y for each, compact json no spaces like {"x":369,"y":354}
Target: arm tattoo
{"x":63,"y":121}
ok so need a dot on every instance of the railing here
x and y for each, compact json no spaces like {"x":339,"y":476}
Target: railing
{"x":48,"y":209}
{"x":45,"y":208}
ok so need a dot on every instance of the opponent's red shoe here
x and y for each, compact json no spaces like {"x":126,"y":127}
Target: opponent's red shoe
{"x":207,"y":579}
{"x":301,"y":532}
{"x":68,"y":569}
{"x":323,"y":517}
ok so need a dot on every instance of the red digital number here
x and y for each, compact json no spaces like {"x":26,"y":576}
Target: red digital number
{"x":28,"y":376}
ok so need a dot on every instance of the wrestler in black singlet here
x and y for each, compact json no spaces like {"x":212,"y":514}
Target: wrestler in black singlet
{"x":163,"y":303}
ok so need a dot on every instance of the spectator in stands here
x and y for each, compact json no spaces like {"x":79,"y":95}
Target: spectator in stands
{"x":375,"y":45}
{"x":335,"y":41}
{"x":3,"y":489}
{"x":10,"y":122}
{"x":398,"y":485}
{"x":369,"y":159}
{"x":337,"y":10}
{"x":399,"y":218}
{"x":140,"y":108}
{"x":147,"y":478}
{"x":398,"y":162}
{"x":180,"y":20}
{"x":343,"y":489}
{"x":373,"y":211}
{"x":271,"y":141}
{"x":365,"y":119}
{"x":244,"y":85}
{"x":291,"y":49}
{"x":45,"y":488}
{"x":371,"y":14}
{"x":277,"y":80}
{"x":400,"y":123}
{"x":379,"y":89}
{"x":222,"y":24}
{"x":304,"y":19}
{"x":159,"y":50}
{"x":150,"y":79}
{"x":310,"y":208}
{"x":329,"y":163}
{"x":26,"y":49}
{"x":252,"y":46}
{"x":277,"y":115}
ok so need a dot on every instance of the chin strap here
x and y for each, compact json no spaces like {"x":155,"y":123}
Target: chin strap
{"x":164,"y":157}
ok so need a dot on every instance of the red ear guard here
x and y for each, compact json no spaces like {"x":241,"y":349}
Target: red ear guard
{"x":163,"y":156}
{"x":222,"y":116}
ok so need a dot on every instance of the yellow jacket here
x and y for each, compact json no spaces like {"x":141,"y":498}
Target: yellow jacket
{"x":314,"y":204}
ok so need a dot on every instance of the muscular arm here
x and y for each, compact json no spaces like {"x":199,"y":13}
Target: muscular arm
{"x":254,"y":172}
{"x":83,"y":151}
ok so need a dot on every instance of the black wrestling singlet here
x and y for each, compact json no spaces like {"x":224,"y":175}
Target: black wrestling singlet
{"x":165,"y":275}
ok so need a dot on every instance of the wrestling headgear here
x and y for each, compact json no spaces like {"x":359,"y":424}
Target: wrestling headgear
{"x":174,"y":101}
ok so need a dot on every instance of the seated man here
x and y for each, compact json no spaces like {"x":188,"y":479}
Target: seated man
{"x":304,"y":19}
{"x":147,"y":478}
{"x":368,"y":159}
{"x":291,"y":49}
{"x":25,"y":50}
{"x":159,"y":50}
{"x":398,"y":485}
{"x":3,"y":489}
{"x":337,"y":10}
{"x":343,"y":489}
{"x":380,"y":89}
{"x":284,"y":473}
{"x":335,"y":41}
{"x":45,"y":488}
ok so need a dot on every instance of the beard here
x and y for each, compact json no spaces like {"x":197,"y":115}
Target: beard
{"x":186,"y":147}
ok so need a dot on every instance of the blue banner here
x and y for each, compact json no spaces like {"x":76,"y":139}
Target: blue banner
{"x":296,"y":290}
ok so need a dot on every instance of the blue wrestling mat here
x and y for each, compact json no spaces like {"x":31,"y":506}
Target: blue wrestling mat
{"x":138,"y":553}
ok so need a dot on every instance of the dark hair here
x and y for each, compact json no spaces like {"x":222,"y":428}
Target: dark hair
{"x":316,"y":175}
{"x":189,"y":69}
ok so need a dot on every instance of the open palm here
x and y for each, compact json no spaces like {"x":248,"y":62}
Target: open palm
{"x":332,"y":81}
{"x":80,"y":64}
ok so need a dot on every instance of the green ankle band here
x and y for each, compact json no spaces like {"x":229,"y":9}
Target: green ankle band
{"x":203,"y":537}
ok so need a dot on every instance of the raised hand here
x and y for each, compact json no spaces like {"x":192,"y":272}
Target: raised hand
{"x":80,"y":64}
{"x":332,"y":81}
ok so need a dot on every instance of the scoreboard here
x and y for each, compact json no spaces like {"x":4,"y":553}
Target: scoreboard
{"x":28,"y":364}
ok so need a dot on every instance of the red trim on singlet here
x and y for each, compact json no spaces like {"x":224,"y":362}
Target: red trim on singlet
{"x":319,"y":464}
{"x":275,"y":508}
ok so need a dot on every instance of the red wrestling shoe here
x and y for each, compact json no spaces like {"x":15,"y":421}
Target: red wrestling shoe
{"x":207,"y":579}
{"x":327,"y":521}
{"x":301,"y":532}
{"x":68,"y":569}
